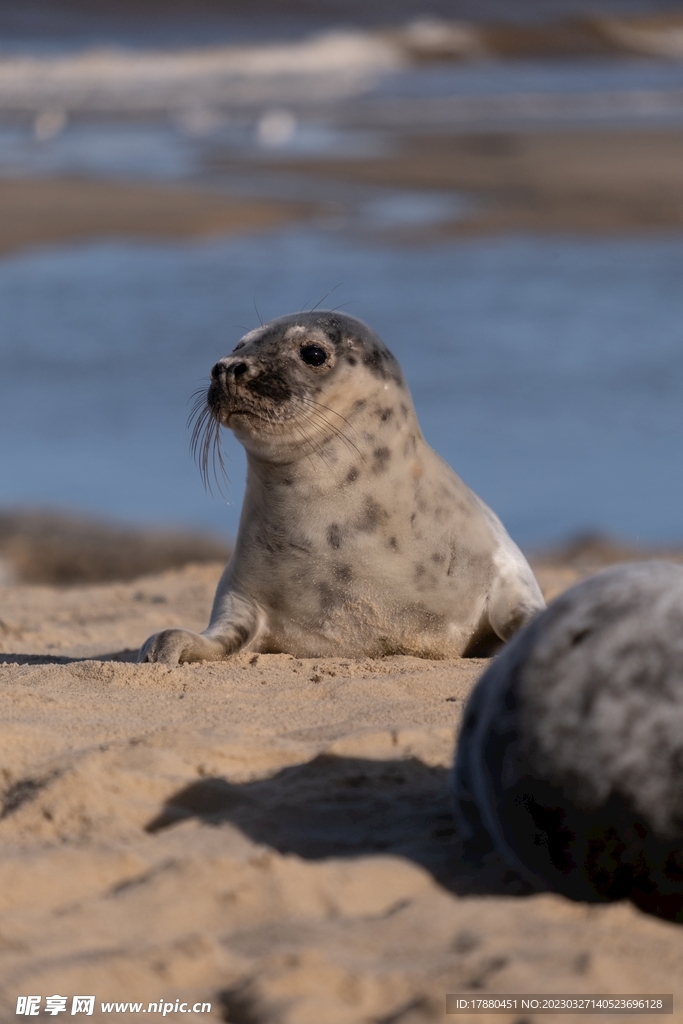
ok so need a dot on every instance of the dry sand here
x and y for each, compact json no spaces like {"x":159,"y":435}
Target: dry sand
{"x":270,"y":835}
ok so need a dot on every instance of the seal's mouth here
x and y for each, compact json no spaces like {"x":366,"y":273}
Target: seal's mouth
{"x":226,"y":409}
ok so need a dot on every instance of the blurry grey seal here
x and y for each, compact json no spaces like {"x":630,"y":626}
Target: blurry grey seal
{"x":355,"y":538}
{"x":570,"y":759}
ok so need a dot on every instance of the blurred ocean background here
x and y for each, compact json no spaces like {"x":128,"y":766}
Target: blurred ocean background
{"x":397,"y":170}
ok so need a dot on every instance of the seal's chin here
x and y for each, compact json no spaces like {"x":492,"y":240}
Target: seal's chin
{"x":228,"y":413}
{"x":240,"y":415}
{"x":252,"y":422}
{"x":266,"y":427}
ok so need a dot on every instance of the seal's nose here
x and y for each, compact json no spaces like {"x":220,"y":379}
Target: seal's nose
{"x":222,"y":370}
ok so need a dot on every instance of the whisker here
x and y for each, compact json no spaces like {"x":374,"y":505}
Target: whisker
{"x":207,"y":451}
{"x":328,"y":408}
{"x":200,"y":397}
{"x":340,"y":306}
{"x":313,"y":309}
{"x":280,"y":428}
{"x":315,"y":447}
{"x":205,"y":445}
{"x":339,"y":431}
{"x":321,"y":420}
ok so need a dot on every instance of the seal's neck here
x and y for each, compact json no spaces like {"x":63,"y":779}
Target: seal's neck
{"x":372,"y":440}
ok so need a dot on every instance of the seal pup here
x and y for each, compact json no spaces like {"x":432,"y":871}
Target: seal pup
{"x":355,"y":538}
{"x":570,"y":759}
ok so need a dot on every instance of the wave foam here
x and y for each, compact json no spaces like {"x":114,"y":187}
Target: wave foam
{"x":327,"y":66}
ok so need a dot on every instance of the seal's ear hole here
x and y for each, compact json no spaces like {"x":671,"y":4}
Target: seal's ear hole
{"x":313,"y":355}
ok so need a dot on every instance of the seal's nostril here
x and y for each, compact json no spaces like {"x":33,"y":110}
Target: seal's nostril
{"x":239,"y":369}
{"x":216,"y":371}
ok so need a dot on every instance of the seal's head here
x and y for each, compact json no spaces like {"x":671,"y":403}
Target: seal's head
{"x":290,"y":384}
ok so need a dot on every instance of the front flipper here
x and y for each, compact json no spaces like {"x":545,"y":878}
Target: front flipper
{"x":237,"y":625}
{"x":176,"y":646}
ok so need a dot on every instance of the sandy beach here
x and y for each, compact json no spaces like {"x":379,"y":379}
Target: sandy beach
{"x":268,"y":835}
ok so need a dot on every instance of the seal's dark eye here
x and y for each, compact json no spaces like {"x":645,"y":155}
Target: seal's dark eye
{"x":314,"y":355}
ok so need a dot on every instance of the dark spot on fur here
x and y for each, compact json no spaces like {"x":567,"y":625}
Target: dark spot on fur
{"x":334,"y":536}
{"x":385,"y":414}
{"x":241,"y":633}
{"x":438,"y":558}
{"x":359,"y":404}
{"x":332,"y":328}
{"x":419,"y":571}
{"x":393,"y":544}
{"x":373,"y":358}
{"x":352,"y":475}
{"x":424,"y":618}
{"x":405,"y":410}
{"x":452,"y":561}
{"x":410,"y":447}
{"x":343,"y":573}
{"x":373,"y":515}
{"x":382,"y":364}
{"x":413,"y":517}
{"x":271,"y":385}
{"x":304,"y":547}
{"x":328,"y":598}
{"x":351,"y":360}
{"x":381,"y":457}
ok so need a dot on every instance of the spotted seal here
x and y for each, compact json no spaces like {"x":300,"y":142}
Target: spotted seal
{"x":570,"y":759}
{"x":355,"y":538}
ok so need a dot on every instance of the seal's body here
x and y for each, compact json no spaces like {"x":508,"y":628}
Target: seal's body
{"x":570,"y":758}
{"x":355,"y":538}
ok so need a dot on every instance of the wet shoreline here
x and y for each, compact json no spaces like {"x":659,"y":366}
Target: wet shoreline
{"x":580,"y":182}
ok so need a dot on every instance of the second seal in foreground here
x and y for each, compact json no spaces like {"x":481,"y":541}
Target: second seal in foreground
{"x":355,"y":538}
{"x":570,"y":758}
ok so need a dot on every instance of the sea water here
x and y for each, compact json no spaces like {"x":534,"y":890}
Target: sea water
{"x":547,"y":371}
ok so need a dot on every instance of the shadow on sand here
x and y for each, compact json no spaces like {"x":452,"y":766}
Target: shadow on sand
{"x":348,"y":807}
